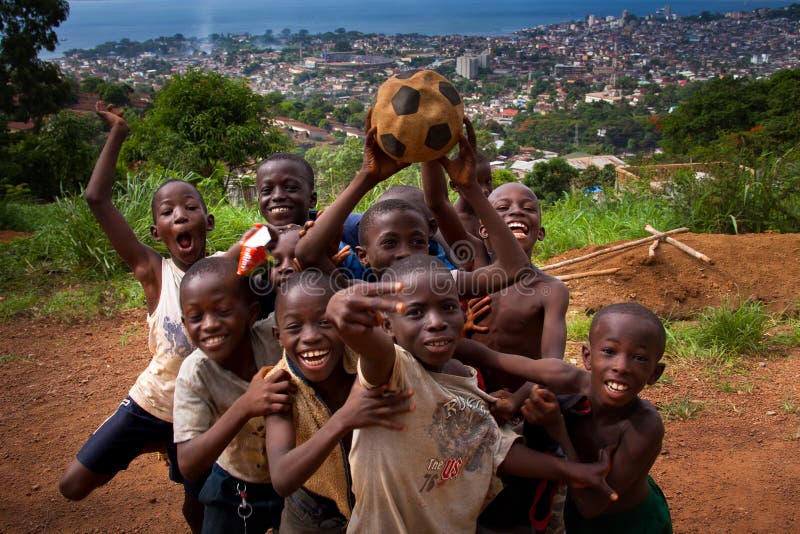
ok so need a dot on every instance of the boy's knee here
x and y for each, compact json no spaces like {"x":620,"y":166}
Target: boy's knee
{"x":78,"y":482}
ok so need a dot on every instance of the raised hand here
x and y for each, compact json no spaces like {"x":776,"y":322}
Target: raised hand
{"x":376,"y":164}
{"x":111,"y":116}
{"x":361,"y":304}
{"x":374,"y":407}
{"x":476,"y":309}
{"x":269,"y":395}
{"x":461,"y":169}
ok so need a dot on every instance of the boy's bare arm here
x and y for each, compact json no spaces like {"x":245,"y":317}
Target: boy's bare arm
{"x":356,"y":313}
{"x":524,"y":462}
{"x":554,"y":325}
{"x":557,"y":375}
{"x":638,"y":448}
{"x":263,"y":397}
{"x":434,"y":185}
{"x":376,"y":167}
{"x":290,"y":466}
{"x":143,"y":260}
{"x":510,"y":260}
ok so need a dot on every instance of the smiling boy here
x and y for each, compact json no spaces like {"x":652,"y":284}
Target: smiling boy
{"x":437,"y":476}
{"x":626,"y":343}
{"x":221,"y":398}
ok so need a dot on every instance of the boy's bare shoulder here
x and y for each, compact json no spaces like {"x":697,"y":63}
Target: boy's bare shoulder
{"x":646,"y":420}
{"x":544,"y":286}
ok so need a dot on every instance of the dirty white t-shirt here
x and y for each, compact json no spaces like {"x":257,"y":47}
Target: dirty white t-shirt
{"x":439,"y":474}
{"x":168,"y":343}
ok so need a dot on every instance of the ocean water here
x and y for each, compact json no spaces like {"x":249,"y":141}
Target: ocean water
{"x":92,"y":22}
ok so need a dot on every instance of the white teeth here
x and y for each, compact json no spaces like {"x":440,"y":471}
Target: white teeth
{"x":314,"y":358}
{"x":616,"y":386}
{"x":518,"y":229}
{"x":437,"y":343}
{"x":279,"y":210}
{"x":215,"y":340}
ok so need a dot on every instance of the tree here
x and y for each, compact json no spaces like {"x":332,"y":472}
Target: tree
{"x":502,"y":176}
{"x":29,"y":87}
{"x":59,"y":158}
{"x":200,"y":118}
{"x":549,"y":180}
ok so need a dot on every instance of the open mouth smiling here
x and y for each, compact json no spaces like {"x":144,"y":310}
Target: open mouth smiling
{"x":520,"y":230}
{"x":314,"y":358}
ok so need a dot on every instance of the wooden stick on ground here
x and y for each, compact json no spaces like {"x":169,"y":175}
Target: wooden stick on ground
{"x":615,"y":248}
{"x":651,"y":252}
{"x":674,"y":242}
{"x":565,"y":277}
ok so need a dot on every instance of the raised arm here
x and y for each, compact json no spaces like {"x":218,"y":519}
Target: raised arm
{"x":554,"y":325}
{"x":355,"y":312}
{"x":263,"y":397}
{"x":469,"y":249}
{"x":555,"y":374}
{"x":143,"y":260}
{"x":290,"y":466}
{"x":510,"y":260}
{"x":376,"y":167}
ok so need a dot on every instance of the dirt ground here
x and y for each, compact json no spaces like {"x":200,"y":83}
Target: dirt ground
{"x":730,"y":467}
{"x":762,"y":266}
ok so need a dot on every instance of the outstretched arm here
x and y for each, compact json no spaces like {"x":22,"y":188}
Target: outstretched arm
{"x":524,"y":462}
{"x":376,"y":167}
{"x":263,"y":397}
{"x":555,"y":374}
{"x":143,"y":260}
{"x":355,"y":312}
{"x":290,"y":466}
{"x":510,"y":260}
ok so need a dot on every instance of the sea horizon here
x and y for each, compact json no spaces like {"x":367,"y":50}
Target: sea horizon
{"x":93,"y":22}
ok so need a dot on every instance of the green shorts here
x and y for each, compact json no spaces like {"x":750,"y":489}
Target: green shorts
{"x":650,"y":517}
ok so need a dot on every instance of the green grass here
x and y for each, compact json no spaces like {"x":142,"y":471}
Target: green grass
{"x":8,"y":358}
{"x":789,"y":406}
{"x":577,"y":220}
{"x":682,"y":408}
{"x":578,"y":327}
{"x":738,"y":327}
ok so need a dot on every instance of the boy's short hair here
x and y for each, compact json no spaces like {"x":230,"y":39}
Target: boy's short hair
{"x":412,"y":195}
{"x":311,"y":281}
{"x":296,"y":158}
{"x":637,"y":310}
{"x":379,"y":208}
{"x":170,"y":181}
{"x":221,"y":267}
{"x":414,"y":264}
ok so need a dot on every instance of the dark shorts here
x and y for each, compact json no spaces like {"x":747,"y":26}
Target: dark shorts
{"x":129,"y":432}
{"x":221,"y":496}
{"x":651,"y":517}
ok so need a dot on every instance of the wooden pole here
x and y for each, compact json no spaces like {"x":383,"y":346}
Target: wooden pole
{"x":565,"y":277}
{"x":621,"y":246}
{"x":674,"y":242}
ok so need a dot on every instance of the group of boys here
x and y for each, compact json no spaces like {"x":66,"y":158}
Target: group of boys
{"x":377,"y":378}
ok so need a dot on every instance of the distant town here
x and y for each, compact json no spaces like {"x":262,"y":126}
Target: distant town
{"x":615,"y":59}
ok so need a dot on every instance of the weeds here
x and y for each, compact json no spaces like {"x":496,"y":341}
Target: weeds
{"x":682,"y":408}
{"x":788,"y":406}
{"x":8,"y":358}
{"x":578,"y":328}
{"x":735,"y":328}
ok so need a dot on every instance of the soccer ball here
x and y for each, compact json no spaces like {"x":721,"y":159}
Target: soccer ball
{"x":418,"y":115}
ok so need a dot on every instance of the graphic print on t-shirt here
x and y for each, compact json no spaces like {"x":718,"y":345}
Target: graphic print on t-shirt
{"x":463,"y":429}
{"x":176,"y":337}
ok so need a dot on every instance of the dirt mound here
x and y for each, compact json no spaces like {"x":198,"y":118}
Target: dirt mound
{"x":765,"y":267}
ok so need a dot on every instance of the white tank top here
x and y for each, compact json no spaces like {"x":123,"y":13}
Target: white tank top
{"x":168,"y":343}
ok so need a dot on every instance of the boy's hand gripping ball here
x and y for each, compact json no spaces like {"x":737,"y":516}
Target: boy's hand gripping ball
{"x":418,"y":115}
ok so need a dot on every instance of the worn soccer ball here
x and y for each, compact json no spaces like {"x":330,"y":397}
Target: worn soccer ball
{"x":418,"y":115}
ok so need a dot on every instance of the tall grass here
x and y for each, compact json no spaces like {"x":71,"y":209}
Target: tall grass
{"x":740,"y":200}
{"x":577,"y":220}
